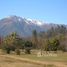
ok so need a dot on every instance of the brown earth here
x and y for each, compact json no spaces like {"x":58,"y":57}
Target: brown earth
{"x":14,"y":61}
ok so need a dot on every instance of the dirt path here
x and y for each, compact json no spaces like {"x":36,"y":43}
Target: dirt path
{"x":58,"y":64}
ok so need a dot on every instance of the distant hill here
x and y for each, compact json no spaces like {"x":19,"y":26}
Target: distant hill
{"x":22,"y":26}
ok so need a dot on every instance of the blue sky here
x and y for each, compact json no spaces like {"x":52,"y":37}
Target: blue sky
{"x":52,"y":11}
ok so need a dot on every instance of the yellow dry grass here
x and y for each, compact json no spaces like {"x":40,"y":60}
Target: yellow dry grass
{"x":8,"y":62}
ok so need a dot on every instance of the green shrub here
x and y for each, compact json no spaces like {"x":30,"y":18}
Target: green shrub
{"x":18,"y":51}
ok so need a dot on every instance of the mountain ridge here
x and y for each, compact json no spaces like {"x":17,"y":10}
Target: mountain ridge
{"x":22,"y":26}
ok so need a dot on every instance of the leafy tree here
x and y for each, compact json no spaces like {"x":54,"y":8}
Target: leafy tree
{"x":11,"y":42}
{"x":6,"y":48}
{"x":7,"y":43}
{"x":52,"y":45}
{"x":51,"y":32}
{"x":28,"y":47}
{"x":35,"y":39}
{"x":1,"y":40}
{"x":17,"y":51}
{"x":47,"y":45}
{"x":19,"y":44}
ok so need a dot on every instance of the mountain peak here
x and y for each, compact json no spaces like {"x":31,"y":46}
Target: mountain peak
{"x":28,"y":21}
{"x":13,"y":17}
{"x":22,"y":26}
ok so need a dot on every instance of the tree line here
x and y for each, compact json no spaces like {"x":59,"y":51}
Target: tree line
{"x":53,"y":39}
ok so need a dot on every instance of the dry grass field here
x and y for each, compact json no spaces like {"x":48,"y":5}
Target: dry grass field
{"x":9,"y":62}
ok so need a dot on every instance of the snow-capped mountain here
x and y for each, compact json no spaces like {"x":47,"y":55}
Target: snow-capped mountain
{"x":22,"y":26}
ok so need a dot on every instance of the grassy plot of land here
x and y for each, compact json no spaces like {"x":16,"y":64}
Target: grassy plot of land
{"x":13,"y":61}
{"x":60,"y":60}
{"x":9,"y":62}
{"x":57,"y":57}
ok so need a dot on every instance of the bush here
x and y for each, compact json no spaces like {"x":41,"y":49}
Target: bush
{"x":62,"y":48}
{"x":52,"y":45}
{"x":27,"y":51}
{"x":27,"y":47}
{"x":6,"y":48}
{"x":18,"y":51}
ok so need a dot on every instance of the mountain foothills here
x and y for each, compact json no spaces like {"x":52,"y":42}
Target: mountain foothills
{"x":22,"y":26}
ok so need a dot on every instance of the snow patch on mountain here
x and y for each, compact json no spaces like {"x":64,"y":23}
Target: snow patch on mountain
{"x":19,"y":19}
{"x":36,"y":22}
